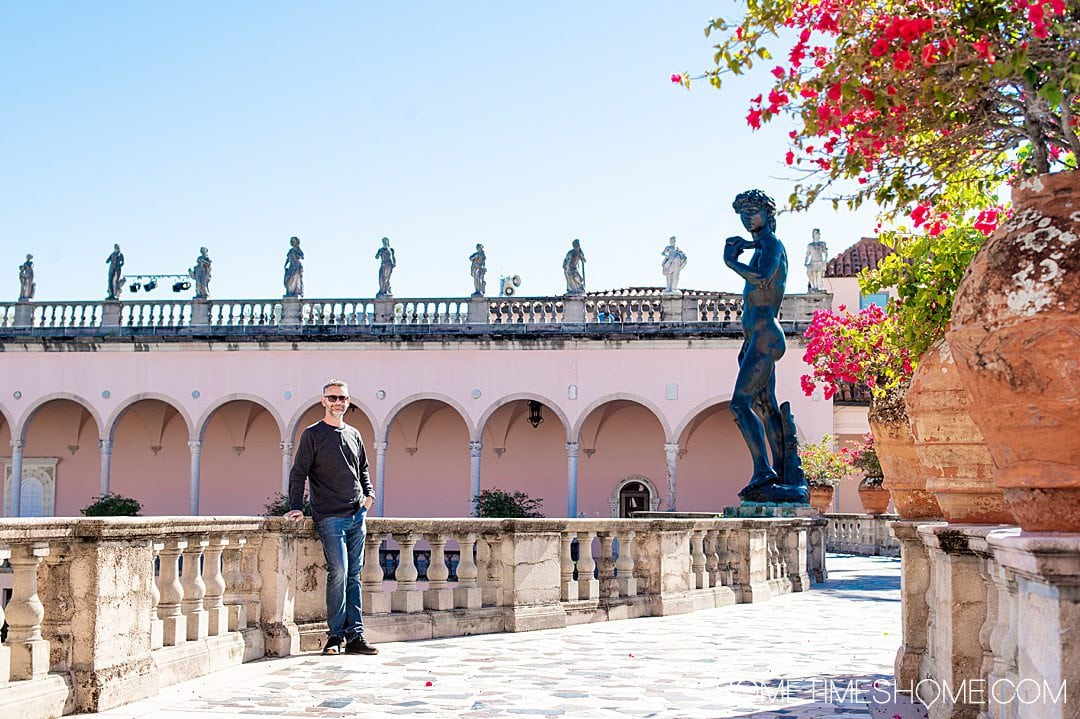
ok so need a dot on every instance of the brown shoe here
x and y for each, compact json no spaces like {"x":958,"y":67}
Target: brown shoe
{"x":359,"y":646}
{"x":333,"y":645}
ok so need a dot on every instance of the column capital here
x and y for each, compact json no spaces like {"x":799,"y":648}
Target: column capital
{"x":105,"y":445}
{"x":286,"y":446}
{"x":572,"y":448}
{"x":474,"y":447}
{"x":381,"y":445}
{"x":194,"y":444}
{"x":18,"y":443}
{"x":670,"y":447}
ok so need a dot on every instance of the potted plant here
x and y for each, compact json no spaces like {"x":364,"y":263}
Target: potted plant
{"x":824,"y":466}
{"x":927,"y":108}
{"x":873,"y":495}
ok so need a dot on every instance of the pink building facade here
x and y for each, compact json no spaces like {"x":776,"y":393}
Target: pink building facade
{"x":195,"y":407}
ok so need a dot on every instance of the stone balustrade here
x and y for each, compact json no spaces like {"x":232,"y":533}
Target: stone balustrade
{"x":359,"y":316}
{"x":863,"y":534}
{"x":989,"y":620}
{"x":106,"y":611}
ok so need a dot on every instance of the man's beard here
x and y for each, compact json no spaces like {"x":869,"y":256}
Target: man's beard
{"x":337,"y":412}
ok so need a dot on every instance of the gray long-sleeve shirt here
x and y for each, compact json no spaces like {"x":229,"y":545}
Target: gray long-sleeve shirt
{"x":333,"y":460}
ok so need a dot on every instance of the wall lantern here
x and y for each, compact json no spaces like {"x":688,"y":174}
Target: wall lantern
{"x":535,"y":418}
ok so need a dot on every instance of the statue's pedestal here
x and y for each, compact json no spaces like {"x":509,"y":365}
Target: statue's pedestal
{"x":24,"y":314}
{"x":478,"y":310}
{"x":290,"y":311}
{"x":766,"y":510}
{"x":384,"y":309}
{"x":110,"y":313}
{"x":676,"y":307}
{"x":200,"y":313}
{"x":573,"y":308}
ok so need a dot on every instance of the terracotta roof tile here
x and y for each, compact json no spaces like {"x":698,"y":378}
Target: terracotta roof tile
{"x":867,"y":252}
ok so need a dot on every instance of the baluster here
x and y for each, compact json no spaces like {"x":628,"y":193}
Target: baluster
{"x":782,"y":554}
{"x":406,"y":598}
{"x":234,"y":584}
{"x":438,"y":595}
{"x":214,"y":602}
{"x":198,"y":622}
{"x":712,"y":559}
{"x":467,"y":594}
{"x":569,"y":588}
{"x":375,"y":600}
{"x":698,"y":578}
{"x":624,"y":566}
{"x":725,"y":571}
{"x":588,"y":587}
{"x":155,"y":599}
{"x":609,"y":588}
{"x":29,"y":652}
{"x":174,"y":623}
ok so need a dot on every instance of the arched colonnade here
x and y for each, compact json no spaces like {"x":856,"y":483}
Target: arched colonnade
{"x":429,"y":455}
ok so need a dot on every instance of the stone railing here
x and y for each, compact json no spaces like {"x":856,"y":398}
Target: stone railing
{"x":106,"y":611}
{"x":865,"y":534}
{"x":990,"y":617}
{"x":358,"y":316}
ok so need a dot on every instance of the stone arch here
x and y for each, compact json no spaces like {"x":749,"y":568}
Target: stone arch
{"x":204,"y":418}
{"x":518,"y":396}
{"x":654,"y":494}
{"x":426,"y":469}
{"x":693,"y":414}
{"x":18,"y":431}
{"x":637,"y":399}
{"x":382,"y":431}
{"x":293,"y":427}
{"x":123,"y":407}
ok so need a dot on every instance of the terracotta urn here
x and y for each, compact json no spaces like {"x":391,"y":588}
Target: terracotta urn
{"x":874,"y":498}
{"x":960,"y":470}
{"x":1016,"y":340}
{"x":821,"y":498}
{"x":904,"y":476}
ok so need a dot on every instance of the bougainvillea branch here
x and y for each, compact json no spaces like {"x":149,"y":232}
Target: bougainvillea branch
{"x":905,"y":98}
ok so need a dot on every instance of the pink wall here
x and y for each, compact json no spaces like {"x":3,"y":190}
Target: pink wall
{"x":433,"y":481}
{"x":628,"y":440}
{"x":535,"y":458}
{"x":239,"y":483}
{"x":716,"y":464}
{"x":160,"y":478}
{"x":58,"y":427}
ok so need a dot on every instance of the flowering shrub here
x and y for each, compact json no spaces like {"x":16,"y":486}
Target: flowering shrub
{"x":856,"y":348}
{"x":864,"y":458}
{"x":823,"y":464}
{"x":910,"y":98}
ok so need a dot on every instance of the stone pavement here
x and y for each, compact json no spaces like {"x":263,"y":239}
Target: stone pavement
{"x":808,"y":655}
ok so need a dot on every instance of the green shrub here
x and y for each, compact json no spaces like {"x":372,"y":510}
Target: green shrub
{"x":278,"y":504}
{"x":112,"y":505}
{"x":507,"y":505}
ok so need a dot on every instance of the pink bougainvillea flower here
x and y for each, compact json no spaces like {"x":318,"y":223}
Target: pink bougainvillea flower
{"x":779,"y":72}
{"x":677,"y":79}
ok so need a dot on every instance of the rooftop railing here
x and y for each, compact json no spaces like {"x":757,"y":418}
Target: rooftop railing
{"x":610,"y":311}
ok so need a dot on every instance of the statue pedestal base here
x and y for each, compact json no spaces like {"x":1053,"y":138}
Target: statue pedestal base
{"x":478,"y":310}
{"x":290,"y":311}
{"x":200,"y":313}
{"x":384,"y":309}
{"x":677,"y":308}
{"x":759,"y":510}
{"x":573,"y":308}
{"x":110,"y":313}
{"x":24,"y":314}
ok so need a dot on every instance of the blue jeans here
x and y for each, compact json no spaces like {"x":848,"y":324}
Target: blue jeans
{"x":343,"y":545}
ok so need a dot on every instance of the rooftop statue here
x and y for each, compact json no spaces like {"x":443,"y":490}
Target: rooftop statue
{"x":115,"y":261}
{"x":763,"y":424}
{"x":673,"y":263}
{"x":387,"y":263}
{"x":201,"y":274}
{"x":478,"y":270}
{"x":817,"y":257}
{"x":26,"y":280}
{"x":294,"y":269}
{"x":574,"y":268}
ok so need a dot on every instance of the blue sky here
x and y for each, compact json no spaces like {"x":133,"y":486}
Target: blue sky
{"x":235,"y":125}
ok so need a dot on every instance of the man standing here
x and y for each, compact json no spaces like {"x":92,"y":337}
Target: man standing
{"x":331,"y":457}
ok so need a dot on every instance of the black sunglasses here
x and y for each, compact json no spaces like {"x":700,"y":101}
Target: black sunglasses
{"x":337,"y":397}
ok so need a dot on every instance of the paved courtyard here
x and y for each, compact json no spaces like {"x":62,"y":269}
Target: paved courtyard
{"x":808,"y":655}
